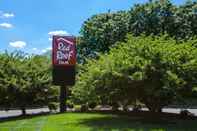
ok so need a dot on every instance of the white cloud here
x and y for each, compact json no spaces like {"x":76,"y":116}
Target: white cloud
{"x":50,"y":39}
{"x":49,"y":48}
{"x":46,"y":49}
{"x":34,"y":49}
{"x":6,"y":25}
{"x":18,"y":44}
{"x":58,"y":32}
{"x":7,"y":15}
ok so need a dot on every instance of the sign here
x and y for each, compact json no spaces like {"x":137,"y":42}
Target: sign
{"x":64,"y":50}
{"x":64,"y":75}
{"x":64,"y":60}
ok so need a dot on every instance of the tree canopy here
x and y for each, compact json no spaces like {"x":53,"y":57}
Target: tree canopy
{"x":153,"y":70}
{"x":156,"y":17}
{"x":25,"y":81}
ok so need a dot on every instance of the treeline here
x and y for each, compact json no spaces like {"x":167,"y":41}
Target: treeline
{"x":25,"y":81}
{"x":156,"y":17}
{"x":155,"y":66}
{"x":154,"y":71}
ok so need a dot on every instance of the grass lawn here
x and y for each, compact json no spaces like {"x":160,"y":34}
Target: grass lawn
{"x":95,"y":122}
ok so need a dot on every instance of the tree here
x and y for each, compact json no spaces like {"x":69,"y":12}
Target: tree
{"x":153,"y":70}
{"x":101,"y":31}
{"x":156,"y":17}
{"x":25,"y":81}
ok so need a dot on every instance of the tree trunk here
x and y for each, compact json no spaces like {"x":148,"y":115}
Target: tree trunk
{"x":23,"y":111}
{"x":154,"y":109}
{"x":160,"y":110}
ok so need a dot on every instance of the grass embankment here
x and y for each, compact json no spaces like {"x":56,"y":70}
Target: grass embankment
{"x":96,"y":122}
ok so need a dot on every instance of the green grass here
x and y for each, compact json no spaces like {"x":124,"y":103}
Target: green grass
{"x":95,"y":122}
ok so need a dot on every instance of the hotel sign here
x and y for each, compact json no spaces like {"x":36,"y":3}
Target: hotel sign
{"x":64,"y":50}
{"x":64,"y":60}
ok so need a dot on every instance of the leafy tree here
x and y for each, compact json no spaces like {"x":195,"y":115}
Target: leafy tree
{"x":154,"y":70}
{"x":25,"y":81}
{"x":101,"y":31}
{"x":156,"y":17}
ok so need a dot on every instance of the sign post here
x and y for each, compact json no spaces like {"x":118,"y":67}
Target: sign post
{"x":64,"y":60}
{"x":63,"y":98}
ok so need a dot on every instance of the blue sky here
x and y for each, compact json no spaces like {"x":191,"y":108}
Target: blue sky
{"x":27,"y":24}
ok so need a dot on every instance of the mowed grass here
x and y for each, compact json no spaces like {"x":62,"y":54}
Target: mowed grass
{"x":95,"y":122}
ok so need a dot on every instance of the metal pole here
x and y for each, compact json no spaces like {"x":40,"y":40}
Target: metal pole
{"x":63,"y":97}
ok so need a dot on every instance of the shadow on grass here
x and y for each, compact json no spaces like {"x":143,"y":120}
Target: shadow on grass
{"x":127,"y":121}
{"x":142,"y":121}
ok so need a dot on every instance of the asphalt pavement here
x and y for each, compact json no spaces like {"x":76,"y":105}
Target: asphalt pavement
{"x":12,"y":113}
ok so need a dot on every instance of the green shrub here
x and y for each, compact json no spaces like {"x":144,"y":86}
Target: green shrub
{"x":115,"y":106}
{"x":70,"y":104}
{"x":53,"y":106}
{"x":92,"y":105}
{"x":77,"y":107}
{"x":84,"y":108}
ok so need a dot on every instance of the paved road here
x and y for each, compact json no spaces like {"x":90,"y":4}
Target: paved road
{"x":4,"y":114}
{"x":173,"y":110}
{"x":176,"y":110}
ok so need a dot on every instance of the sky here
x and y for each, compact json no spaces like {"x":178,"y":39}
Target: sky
{"x":28,"y":25}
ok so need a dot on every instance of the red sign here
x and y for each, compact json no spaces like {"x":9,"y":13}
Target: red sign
{"x":64,"y":50}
